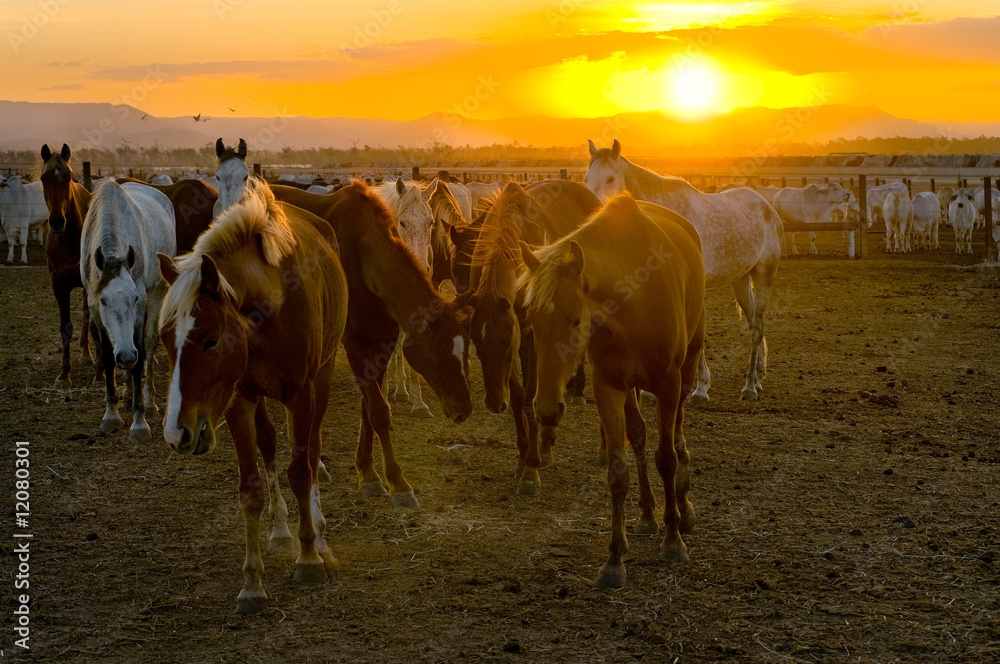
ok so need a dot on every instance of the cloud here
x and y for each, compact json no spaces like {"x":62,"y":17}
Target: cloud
{"x":968,"y":39}
{"x":65,"y":86}
{"x":298,"y":71}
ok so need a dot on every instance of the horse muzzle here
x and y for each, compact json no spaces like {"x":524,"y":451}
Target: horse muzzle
{"x":184,"y":440}
{"x":57,"y":225}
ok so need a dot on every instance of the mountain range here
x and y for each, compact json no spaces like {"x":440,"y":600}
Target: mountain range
{"x":27,"y":125}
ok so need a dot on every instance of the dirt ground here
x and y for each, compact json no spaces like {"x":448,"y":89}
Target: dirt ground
{"x":851,"y":514}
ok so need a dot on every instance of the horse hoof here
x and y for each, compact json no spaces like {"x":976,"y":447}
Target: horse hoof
{"x":675,"y":551}
{"x":250,"y":604}
{"x":528,"y":488}
{"x":282,"y":545}
{"x":62,"y":383}
{"x":698,"y":401}
{"x":646,"y":527}
{"x":140,"y":436}
{"x":611,"y":576}
{"x":748,"y":394}
{"x":578,"y":401}
{"x":602,"y":458}
{"x":421,"y":412}
{"x":547,"y":461}
{"x":86,"y":361}
{"x":373,"y":488}
{"x":687,"y":520}
{"x":111,"y":424}
{"x":310,"y":573}
{"x":648,"y":398}
{"x":405,"y":499}
{"x":324,"y":474}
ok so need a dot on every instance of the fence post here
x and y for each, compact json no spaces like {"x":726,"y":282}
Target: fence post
{"x":563,"y":174}
{"x":991,"y":247}
{"x":783,"y":185}
{"x":256,"y":170}
{"x":415,"y":173}
{"x":862,"y":213}
{"x":933,"y":190}
{"x":88,"y":182}
{"x":909,"y":188}
{"x":805,"y":181}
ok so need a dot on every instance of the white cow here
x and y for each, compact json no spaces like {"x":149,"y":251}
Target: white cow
{"x":944,"y":195}
{"x":317,"y":189}
{"x":161,"y":179}
{"x":21,"y":206}
{"x":962,"y":214}
{"x":767,"y":192}
{"x":810,"y":205}
{"x":876,"y":196}
{"x":926,"y":220}
{"x":979,"y":195}
{"x":897,"y":210}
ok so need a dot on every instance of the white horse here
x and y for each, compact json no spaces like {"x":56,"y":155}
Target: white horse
{"x":233,"y":175}
{"x":740,"y":238}
{"x":480,"y":192}
{"x":21,"y":207}
{"x":463,"y":197}
{"x":414,"y":217}
{"x":125,"y":227}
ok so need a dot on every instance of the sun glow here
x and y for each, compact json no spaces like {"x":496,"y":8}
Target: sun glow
{"x":693,"y":86}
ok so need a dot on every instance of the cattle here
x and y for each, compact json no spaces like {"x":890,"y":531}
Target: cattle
{"x":979,"y":195}
{"x":21,"y":206}
{"x":897,"y":210}
{"x":809,"y":205}
{"x":926,"y":220}
{"x":944,"y":195}
{"x":962,"y":215}
{"x":767,"y":192}
{"x":876,"y":196}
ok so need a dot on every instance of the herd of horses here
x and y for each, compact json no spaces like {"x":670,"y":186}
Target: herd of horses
{"x":253,"y":287}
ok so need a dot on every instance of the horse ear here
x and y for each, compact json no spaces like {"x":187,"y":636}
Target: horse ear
{"x":168,"y":270}
{"x":65,"y":153}
{"x":530,"y":260}
{"x":220,"y":147}
{"x":504,"y":304}
{"x":241,"y":151}
{"x":453,"y":234}
{"x":99,"y":259}
{"x":209,"y":276}
{"x":616,"y":149}
{"x":593,"y":148}
{"x":400,"y":187}
{"x":574,"y":257}
{"x":46,"y":152}
{"x":130,"y":259}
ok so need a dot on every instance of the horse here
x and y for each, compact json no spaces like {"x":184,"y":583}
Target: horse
{"x":462,"y":196}
{"x":415,"y":219}
{"x":389,"y":290}
{"x":636,"y":307}
{"x":125,"y":227}
{"x":265,"y":276}
{"x":540,"y":213}
{"x":67,"y":202}
{"x":447,"y":214}
{"x":22,"y":206}
{"x":232,"y":173}
{"x":194,"y":204}
{"x":740,"y":236}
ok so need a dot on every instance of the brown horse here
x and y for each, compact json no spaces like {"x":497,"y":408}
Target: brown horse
{"x":193,"y":201}
{"x":68,"y":202}
{"x":257,"y":310}
{"x":637,"y":307}
{"x":538,"y":214}
{"x":389,"y":291}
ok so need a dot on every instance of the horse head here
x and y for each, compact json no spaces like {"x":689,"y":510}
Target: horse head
{"x":413,"y":216}
{"x":437,"y":346}
{"x":463,"y":240}
{"x":207,"y":342}
{"x":56,"y":177}
{"x":555,"y":294}
{"x":119,"y":304}
{"x":495,"y":331}
{"x":606,"y":175}
{"x":232,"y":173}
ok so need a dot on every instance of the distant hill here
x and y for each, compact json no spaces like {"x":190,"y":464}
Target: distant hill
{"x":27,"y":125}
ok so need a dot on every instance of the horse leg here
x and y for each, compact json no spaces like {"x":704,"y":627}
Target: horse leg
{"x":611,"y":408}
{"x":240,"y":419}
{"x":763,"y":278}
{"x":669,"y":404}
{"x":139,"y":431}
{"x":321,"y":398}
{"x":682,"y":478}
{"x":529,"y":459}
{"x":743,"y":290}
{"x":577,"y":386}
{"x":398,"y":372}
{"x":635,"y":430}
{"x":281,"y":540}
{"x":518,"y":411}
{"x":309,"y":566}
{"x":154,"y":299}
{"x":86,"y":358}
{"x":111,"y":420}
{"x":700,"y":395}
{"x":419,"y":408}
{"x":61,"y":290}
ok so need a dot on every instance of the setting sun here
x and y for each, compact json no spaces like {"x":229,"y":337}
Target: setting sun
{"x":693,"y":86}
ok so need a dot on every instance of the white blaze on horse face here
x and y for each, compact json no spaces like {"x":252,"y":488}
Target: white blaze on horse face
{"x":171,"y":432}
{"x":233,"y":176}
{"x":458,"y":350}
{"x":123,"y":310}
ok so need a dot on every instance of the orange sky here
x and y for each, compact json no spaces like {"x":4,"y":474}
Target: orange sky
{"x":405,"y":59}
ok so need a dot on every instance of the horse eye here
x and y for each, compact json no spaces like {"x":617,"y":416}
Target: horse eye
{"x":210,"y":344}
{"x":611,"y":179}
{"x":246,"y":177}
{"x":576,"y":323}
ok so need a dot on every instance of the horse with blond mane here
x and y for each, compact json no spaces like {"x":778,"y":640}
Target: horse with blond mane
{"x":740,"y":236}
{"x":636,"y":307}
{"x":257,"y":310}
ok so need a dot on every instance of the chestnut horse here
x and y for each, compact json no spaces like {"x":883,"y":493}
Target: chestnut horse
{"x":68,"y":202}
{"x":389,"y":290}
{"x":636,"y":306}
{"x":538,"y":214}
{"x":257,"y":310}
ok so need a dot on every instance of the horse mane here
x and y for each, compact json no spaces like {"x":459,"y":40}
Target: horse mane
{"x":502,"y":229}
{"x":444,"y":207}
{"x":256,"y":218}
{"x":640,"y":180}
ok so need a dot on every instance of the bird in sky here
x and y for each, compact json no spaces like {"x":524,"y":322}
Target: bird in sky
{"x":198,"y":118}
{"x":232,"y":109}
{"x":144,"y":116}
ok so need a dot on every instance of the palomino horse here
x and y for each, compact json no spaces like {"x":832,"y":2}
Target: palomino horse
{"x":232,"y":173}
{"x":68,"y":202}
{"x":265,"y":276}
{"x":538,"y":214}
{"x":740,"y":238}
{"x":389,"y":290}
{"x":447,"y":214}
{"x":415,"y":219}
{"x":637,"y":307}
{"x":126,"y":226}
